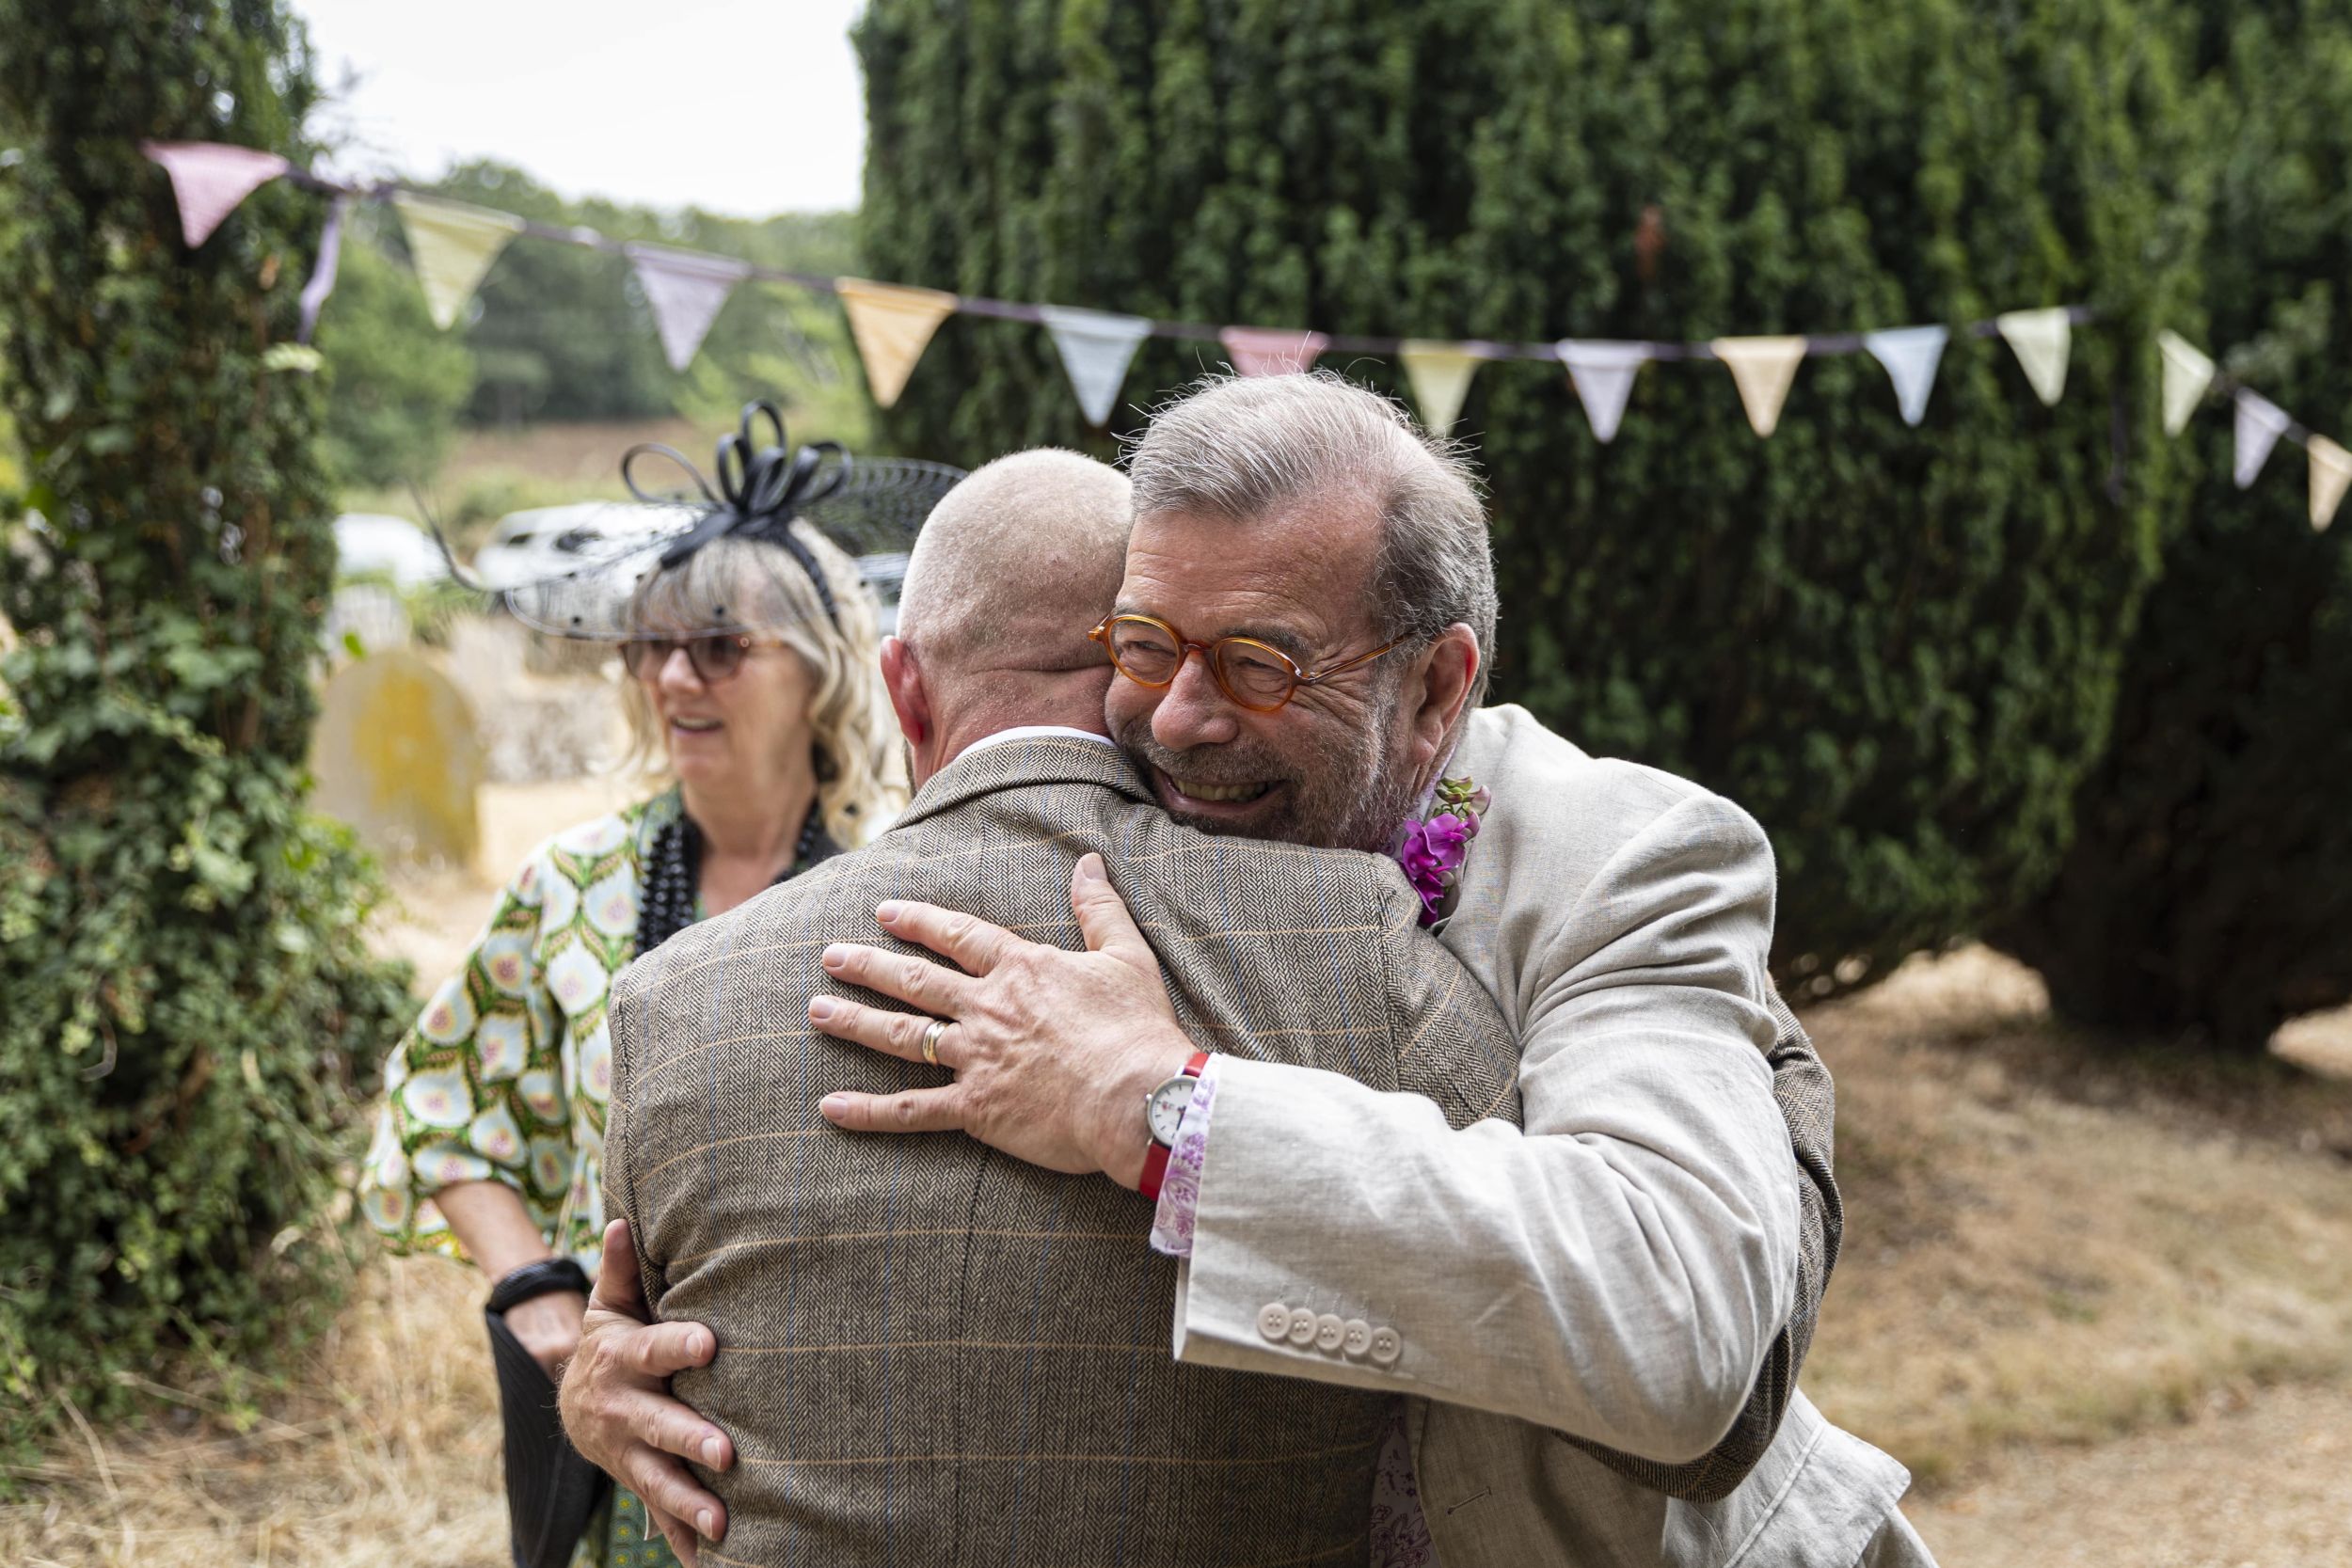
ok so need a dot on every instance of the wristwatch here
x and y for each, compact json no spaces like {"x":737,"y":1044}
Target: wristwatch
{"x":1163,"y":1114}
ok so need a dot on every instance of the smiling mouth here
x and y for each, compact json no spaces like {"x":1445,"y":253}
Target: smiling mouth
{"x":1199,"y":793}
{"x":694,"y":726}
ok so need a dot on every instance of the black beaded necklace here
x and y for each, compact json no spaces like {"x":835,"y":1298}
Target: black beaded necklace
{"x":674,"y":875}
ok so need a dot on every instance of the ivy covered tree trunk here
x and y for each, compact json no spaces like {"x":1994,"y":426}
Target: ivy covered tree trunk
{"x":1898,"y":647}
{"x":187,"y":1000}
{"x":2209,"y":889}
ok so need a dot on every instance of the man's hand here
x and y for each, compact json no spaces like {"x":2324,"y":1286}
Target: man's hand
{"x":618,"y":1412}
{"x":1052,"y":1050}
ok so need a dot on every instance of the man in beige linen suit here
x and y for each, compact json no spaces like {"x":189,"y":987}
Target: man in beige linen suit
{"x":1812,"y":1509}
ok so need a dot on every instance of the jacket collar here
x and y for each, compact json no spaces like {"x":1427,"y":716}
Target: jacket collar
{"x":1026,"y":764}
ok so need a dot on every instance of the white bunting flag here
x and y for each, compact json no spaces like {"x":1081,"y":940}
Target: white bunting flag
{"x":1911,"y":354}
{"x":686,"y":290}
{"x":1272,"y":350}
{"x":2260,"y":423}
{"x":2331,"y":471}
{"x":1602,"y":373}
{"x":1763,"y":368}
{"x":892,"y":325}
{"x":1096,"y":348}
{"x":2187,"y":375}
{"x":208,"y":180}
{"x":2041,"y":341}
{"x":453,"y":244}
{"x":1441,"y":374}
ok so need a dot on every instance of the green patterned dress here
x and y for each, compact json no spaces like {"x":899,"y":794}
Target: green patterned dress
{"x":507,"y":1072}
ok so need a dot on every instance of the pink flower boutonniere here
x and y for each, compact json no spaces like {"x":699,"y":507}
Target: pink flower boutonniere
{"x":1433,"y":849}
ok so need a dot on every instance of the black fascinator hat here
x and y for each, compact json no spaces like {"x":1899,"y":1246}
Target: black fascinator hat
{"x":794,"y":506}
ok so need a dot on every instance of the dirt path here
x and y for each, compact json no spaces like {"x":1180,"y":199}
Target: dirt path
{"x":2264,"y":1483}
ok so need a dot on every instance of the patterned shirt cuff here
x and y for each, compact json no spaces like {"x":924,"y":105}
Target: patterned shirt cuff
{"x":1179,"y":1189}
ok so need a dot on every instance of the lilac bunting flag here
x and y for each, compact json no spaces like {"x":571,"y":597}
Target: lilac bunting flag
{"x":323,"y":271}
{"x":2260,"y":423}
{"x":1272,"y":350}
{"x":208,"y":180}
{"x":686,"y":290}
{"x":1602,"y":373}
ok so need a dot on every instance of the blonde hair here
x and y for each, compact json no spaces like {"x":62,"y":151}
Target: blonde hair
{"x":774,"y":598}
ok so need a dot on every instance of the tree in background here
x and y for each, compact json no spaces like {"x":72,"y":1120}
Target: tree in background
{"x":188,"y":1001}
{"x":1898,"y":647}
{"x":2209,"y":888}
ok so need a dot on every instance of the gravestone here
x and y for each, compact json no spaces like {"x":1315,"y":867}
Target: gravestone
{"x":396,"y":756}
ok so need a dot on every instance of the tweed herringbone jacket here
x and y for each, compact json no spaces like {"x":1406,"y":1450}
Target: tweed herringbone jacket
{"x":929,"y":1350}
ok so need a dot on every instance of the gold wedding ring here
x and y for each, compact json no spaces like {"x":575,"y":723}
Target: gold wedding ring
{"x":930,"y":1040}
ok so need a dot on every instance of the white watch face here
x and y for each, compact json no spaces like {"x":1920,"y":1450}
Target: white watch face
{"x":1164,"y":1109}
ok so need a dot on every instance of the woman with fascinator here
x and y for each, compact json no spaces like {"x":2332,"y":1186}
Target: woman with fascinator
{"x":747,"y":640}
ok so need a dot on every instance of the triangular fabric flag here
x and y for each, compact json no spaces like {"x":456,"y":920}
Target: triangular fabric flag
{"x":1602,"y":373}
{"x":2040,"y":339}
{"x":453,"y":244}
{"x":323,"y":271}
{"x":892,"y":325}
{"x":1763,"y":368}
{"x":1909,"y":355}
{"x":1441,"y":373}
{"x":2331,"y":471}
{"x":2187,"y":375}
{"x":2260,"y":423}
{"x":1272,"y":350}
{"x":1096,"y":348}
{"x":208,"y":180}
{"x":685,"y":288}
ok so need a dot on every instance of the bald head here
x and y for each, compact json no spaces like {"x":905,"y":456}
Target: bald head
{"x":1016,"y":564}
{"x":1010,"y":572}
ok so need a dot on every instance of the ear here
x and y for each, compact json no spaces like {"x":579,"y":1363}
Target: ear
{"x":1436,"y":695}
{"x":903,"y":677}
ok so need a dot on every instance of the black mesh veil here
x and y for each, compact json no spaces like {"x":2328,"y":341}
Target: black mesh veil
{"x":830,"y":522}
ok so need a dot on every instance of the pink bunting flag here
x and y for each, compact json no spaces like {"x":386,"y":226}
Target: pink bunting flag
{"x":208,"y":180}
{"x":1272,"y":350}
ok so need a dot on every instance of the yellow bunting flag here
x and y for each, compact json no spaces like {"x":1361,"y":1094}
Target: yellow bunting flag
{"x":1764,"y":368}
{"x":1441,"y":374}
{"x":2187,"y":375}
{"x":2331,"y":471}
{"x":453,"y":244}
{"x":2041,"y":341}
{"x":892,"y":325}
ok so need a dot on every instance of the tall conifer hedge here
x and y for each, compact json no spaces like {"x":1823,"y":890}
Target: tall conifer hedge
{"x":184,"y":999}
{"x":1898,"y":647}
{"x":2209,"y":889}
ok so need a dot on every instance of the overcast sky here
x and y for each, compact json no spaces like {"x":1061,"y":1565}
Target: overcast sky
{"x":746,"y":107}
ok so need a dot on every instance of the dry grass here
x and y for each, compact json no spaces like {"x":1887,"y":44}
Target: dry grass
{"x":2053,"y":1259}
{"x":2047,"y":1244}
{"x":385,"y":1453}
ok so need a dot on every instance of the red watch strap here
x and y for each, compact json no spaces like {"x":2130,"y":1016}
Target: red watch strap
{"x":1155,"y":1156}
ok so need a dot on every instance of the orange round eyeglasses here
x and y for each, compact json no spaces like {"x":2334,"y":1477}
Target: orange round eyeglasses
{"x":1256,"y":675}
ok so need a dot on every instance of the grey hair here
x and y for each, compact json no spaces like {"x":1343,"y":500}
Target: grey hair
{"x":1238,"y":446}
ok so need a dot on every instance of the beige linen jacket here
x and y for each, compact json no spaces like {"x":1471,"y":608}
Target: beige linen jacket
{"x":1618,"y":1271}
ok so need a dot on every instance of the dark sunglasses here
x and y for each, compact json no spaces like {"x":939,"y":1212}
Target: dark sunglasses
{"x":715,"y":658}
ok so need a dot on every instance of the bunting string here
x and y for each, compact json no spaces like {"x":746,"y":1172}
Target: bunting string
{"x":454,"y":244}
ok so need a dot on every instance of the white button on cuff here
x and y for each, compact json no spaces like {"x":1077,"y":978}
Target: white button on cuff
{"x":1302,"y":1331}
{"x":1386,"y":1346}
{"x":1329,"y":1333}
{"x":1274,"y":1320}
{"x":1355,"y":1338}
